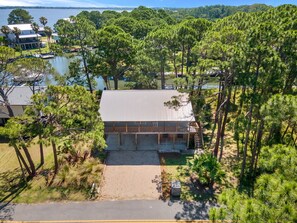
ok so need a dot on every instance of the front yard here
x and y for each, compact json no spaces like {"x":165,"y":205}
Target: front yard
{"x":174,"y":167}
{"x":68,"y":184}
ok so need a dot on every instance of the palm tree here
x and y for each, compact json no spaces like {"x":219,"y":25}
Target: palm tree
{"x":43,"y":20}
{"x":35,"y":28}
{"x":5,"y":30}
{"x":16,"y":31}
{"x":48,"y":32}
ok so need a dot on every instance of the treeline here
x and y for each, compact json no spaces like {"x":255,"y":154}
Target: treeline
{"x":216,"y":11}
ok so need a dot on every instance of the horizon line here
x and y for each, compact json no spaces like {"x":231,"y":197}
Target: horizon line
{"x":130,"y":7}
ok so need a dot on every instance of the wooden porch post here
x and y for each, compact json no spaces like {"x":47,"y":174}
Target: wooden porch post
{"x":158,"y":138}
{"x":126,"y":127}
{"x":135,"y":139}
{"x":120,"y":139}
{"x":174,"y":135}
{"x":188,"y":141}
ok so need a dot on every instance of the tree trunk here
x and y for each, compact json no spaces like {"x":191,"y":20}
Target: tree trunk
{"x":20,"y":156}
{"x":9,"y":109}
{"x":234,"y":94}
{"x":289,"y":82}
{"x":41,"y":152}
{"x":249,"y":121}
{"x":6,"y":102}
{"x":116,"y":82}
{"x":174,"y":65}
{"x":216,"y":148}
{"x":86,"y":69}
{"x":241,"y":100}
{"x":55,"y":157}
{"x":188,"y":59}
{"x":38,"y":43}
{"x":221,"y":95}
{"x":237,"y":151}
{"x":246,"y":142}
{"x":257,"y":145}
{"x":105,"y":78}
{"x":285,"y":132}
{"x":224,"y":123}
{"x":182,"y":62}
{"x":31,"y":163}
{"x":217,"y":114}
{"x":162,"y":73}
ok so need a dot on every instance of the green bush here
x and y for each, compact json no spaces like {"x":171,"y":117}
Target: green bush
{"x":207,"y":169}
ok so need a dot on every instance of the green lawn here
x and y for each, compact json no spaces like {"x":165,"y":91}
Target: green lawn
{"x":174,"y":167}
{"x":174,"y":164}
{"x":40,"y":188}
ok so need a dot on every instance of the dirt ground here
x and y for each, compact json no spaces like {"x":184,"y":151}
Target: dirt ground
{"x":131,"y":175}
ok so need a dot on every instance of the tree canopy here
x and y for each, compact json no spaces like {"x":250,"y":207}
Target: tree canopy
{"x":19,"y":16}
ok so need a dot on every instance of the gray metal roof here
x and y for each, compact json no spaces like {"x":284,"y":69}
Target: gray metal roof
{"x":21,"y":95}
{"x":144,"y":105}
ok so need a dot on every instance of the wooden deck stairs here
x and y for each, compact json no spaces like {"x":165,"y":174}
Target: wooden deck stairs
{"x":198,"y":140}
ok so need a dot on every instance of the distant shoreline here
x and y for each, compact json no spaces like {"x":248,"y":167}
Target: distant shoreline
{"x":48,"y":7}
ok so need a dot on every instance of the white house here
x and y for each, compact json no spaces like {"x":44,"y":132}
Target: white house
{"x":27,"y":39}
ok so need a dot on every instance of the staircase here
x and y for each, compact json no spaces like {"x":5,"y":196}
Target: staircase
{"x":198,"y":141}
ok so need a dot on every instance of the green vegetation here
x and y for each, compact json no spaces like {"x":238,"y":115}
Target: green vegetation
{"x":71,"y":125}
{"x":206,"y":169}
{"x":19,"y":16}
{"x":217,"y":11}
{"x":247,"y":126}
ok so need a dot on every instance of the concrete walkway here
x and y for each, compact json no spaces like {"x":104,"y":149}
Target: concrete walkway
{"x":105,"y":210}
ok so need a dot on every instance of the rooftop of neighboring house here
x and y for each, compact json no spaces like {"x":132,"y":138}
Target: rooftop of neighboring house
{"x":21,"y":95}
{"x":22,"y":27}
{"x":145,"y":106}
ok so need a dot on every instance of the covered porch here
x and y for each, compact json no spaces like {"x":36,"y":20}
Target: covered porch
{"x":141,"y":141}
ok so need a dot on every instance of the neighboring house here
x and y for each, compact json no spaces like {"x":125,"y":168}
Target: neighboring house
{"x":18,"y":98}
{"x":27,"y":38}
{"x":139,"y":119}
{"x":55,"y":37}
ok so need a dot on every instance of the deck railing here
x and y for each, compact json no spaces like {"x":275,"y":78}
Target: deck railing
{"x":135,"y":129}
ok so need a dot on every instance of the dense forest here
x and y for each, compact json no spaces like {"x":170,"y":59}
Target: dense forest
{"x":216,"y":11}
{"x":248,"y":124}
{"x":252,"y":55}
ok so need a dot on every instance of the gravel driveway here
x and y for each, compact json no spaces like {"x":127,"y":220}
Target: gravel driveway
{"x":131,"y":175}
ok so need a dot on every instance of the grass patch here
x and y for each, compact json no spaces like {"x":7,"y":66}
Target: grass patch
{"x":73,"y":184}
{"x":174,"y":167}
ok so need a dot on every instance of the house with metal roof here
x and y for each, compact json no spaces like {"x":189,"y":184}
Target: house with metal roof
{"x":18,"y":98}
{"x":27,"y":39}
{"x":147,"y":119}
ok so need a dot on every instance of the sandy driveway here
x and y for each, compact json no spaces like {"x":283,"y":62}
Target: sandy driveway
{"x":131,"y":175}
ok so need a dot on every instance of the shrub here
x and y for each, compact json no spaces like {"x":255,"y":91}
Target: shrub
{"x":207,"y":169}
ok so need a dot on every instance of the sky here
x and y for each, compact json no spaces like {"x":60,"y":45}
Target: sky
{"x":135,"y":3}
